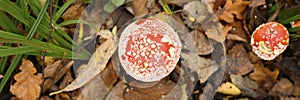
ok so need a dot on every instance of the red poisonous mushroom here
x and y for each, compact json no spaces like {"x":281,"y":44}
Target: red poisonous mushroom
{"x":269,"y":40}
{"x":149,"y":49}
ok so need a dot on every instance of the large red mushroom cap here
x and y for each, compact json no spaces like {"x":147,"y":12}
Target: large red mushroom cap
{"x":149,"y":49}
{"x":269,"y":40}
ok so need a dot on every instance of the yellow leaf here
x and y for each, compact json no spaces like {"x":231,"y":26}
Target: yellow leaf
{"x":229,"y":88}
{"x":27,"y":86}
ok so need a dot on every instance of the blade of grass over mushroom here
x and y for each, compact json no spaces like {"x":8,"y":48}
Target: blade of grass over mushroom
{"x":96,"y":65}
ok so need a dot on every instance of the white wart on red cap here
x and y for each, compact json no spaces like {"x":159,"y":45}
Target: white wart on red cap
{"x":269,"y":40}
{"x":149,"y":49}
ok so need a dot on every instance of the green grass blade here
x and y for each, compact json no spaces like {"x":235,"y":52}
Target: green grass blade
{"x":9,"y":35}
{"x":23,"y":5}
{"x":61,"y":10}
{"x":38,"y":44}
{"x":2,"y":64}
{"x":18,"y":50}
{"x":10,"y":70}
{"x":48,"y":47}
{"x":16,"y":12}
{"x":295,"y":29}
{"x":287,"y":13}
{"x":69,"y":22}
{"x":28,"y":20}
{"x":294,"y":18}
{"x":38,"y":20}
{"x":8,"y":24}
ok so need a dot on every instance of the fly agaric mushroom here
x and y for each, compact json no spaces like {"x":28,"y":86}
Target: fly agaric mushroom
{"x":269,"y":40}
{"x":149,"y":49}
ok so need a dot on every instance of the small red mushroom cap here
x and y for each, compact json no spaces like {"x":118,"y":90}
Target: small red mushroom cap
{"x":149,"y":49}
{"x":269,"y":40}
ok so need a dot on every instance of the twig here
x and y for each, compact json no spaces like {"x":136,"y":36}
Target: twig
{"x":44,"y":51}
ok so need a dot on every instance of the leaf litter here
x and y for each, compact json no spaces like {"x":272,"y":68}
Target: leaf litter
{"x":96,"y":65}
{"x":254,"y":78}
{"x":27,"y":86}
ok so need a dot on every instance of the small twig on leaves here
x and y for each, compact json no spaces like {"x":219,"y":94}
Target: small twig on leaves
{"x":44,"y":51}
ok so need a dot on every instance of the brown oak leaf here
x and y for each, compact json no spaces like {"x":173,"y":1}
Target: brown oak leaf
{"x":264,"y":75}
{"x":233,"y":9}
{"x":27,"y":86}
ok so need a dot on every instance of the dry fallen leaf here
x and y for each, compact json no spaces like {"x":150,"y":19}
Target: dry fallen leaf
{"x":48,"y":60}
{"x":238,"y":61}
{"x":232,"y":9}
{"x":73,"y":12}
{"x":161,"y":89}
{"x":27,"y":86}
{"x":202,"y":43}
{"x":100,"y":85}
{"x":237,"y":32}
{"x":139,"y":7}
{"x":45,"y":98}
{"x":190,"y":60}
{"x":66,"y":80}
{"x":235,"y":37}
{"x":215,"y":32}
{"x":229,"y":88}
{"x":247,"y":86}
{"x":197,"y":11}
{"x":296,"y":81}
{"x":116,"y":92}
{"x":96,"y":65}
{"x":256,"y":3}
{"x":178,"y":2}
{"x":95,"y":88}
{"x":109,"y":76}
{"x":207,"y":68}
{"x":283,"y":87}
{"x":263,"y":74}
{"x":289,"y":98}
{"x":51,"y":71}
